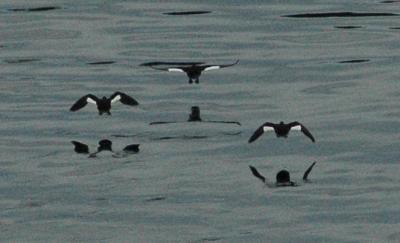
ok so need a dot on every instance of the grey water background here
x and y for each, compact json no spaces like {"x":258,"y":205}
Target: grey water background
{"x":187,"y":189}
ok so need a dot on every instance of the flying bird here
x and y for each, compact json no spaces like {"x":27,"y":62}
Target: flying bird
{"x":281,"y":130}
{"x":103,"y":104}
{"x":282,"y":177}
{"x":194,"y":71}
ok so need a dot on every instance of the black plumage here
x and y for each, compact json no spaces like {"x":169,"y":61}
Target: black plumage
{"x":194,"y":71}
{"x":281,"y":130}
{"x":103,"y":104}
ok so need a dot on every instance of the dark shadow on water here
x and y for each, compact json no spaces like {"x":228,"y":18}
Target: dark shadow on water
{"x":101,"y":63}
{"x":184,"y":137}
{"x":155,"y":199}
{"x":187,"y":13}
{"x":348,"y":27}
{"x":39,"y":9}
{"x":391,"y":1}
{"x":211,"y":239}
{"x":355,"y":61}
{"x":338,"y":14}
{"x":24,"y":60}
{"x":394,"y":28}
{"x":146,"y":64}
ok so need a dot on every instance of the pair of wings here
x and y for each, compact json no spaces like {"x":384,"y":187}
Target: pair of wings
{"x":268,"y":126}
{"x":117,"y":96}
{"x":195,"y":66}
{"x":263,"y":179}
{"x":82,"y":148}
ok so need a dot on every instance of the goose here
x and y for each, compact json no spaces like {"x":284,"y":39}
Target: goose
{"x":103,"y":104}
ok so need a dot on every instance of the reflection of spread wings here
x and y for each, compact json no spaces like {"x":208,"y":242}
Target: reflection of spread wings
{"x":169,"y":122}
{"x":79,"y":104}
{"x":132,"y":148}
{"x":256,"y":173}
{"x":80,"y":148}
{"x":308,"y":171}
{"x":124,"y":98}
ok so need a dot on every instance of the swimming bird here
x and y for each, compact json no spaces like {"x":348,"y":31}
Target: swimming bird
{"x":194,"y":71}
{"x":281,"y":130}
{"x":282,"y":177}
{"x":104,"y":104}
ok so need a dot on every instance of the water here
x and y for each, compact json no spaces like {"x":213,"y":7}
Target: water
{"x":191,"y":182}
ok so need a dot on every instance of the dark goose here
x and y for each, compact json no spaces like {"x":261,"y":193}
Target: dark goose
{"x":103,"y":104}
{"x":281,"y":130}
{"x":194,"y":71}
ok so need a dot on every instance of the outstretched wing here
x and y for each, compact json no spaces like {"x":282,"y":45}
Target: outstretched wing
{"x":132,"y":148}
{"x":150,"y":64}
{"x":298,"y":126}
{"x":263,"y":128}
{"x":80,"y":148}
{"x":79,"y":104}
{"x":308,"y":171}
{"x":256,"y":173}
{"x":171,"y":69}
{"x":213,"y":67}
{"x":124,"y":98}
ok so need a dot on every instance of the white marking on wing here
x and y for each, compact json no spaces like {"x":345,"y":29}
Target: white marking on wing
{"x":90,"y":100}
{"x":296,"y":128}
{"x":116,"y":98}
{"x":175,"y":70}
{"x":267,"y":128}
{"x":212,"y":68}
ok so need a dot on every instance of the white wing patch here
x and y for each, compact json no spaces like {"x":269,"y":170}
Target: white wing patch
{"x":267,"y":128}
{"x":116,"y":98}
{"x":296,"y":128}
{"x":175,"y":70}
{"x":212,"y":68}
{"x":90,"y":100}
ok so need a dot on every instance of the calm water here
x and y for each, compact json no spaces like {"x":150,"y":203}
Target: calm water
{"x":191,"y":182}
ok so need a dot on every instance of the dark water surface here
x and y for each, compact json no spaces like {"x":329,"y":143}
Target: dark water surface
{"x":190,"y":182}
